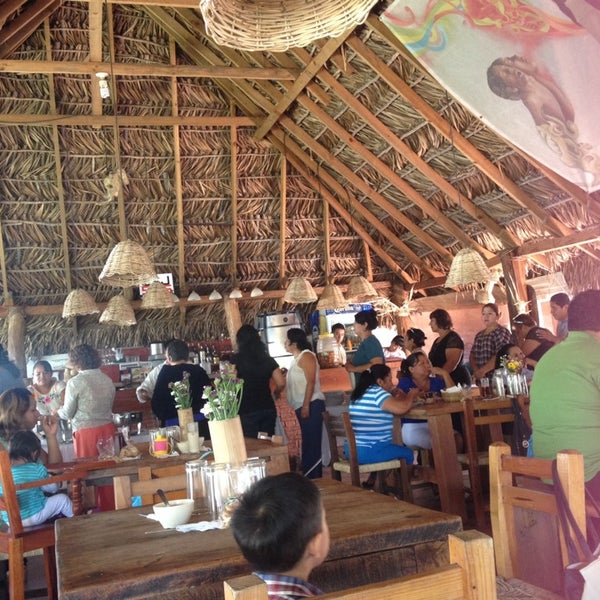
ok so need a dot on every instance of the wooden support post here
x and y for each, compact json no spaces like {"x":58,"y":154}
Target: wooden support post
{"x":514,"y":280}
{"x":16,"y":338}
{"x":232,"y":318}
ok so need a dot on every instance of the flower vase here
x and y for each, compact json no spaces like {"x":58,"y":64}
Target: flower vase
{"x":185,"y":416}
{"x":227,"y":440}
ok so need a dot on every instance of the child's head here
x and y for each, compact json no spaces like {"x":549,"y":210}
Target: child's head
{"x":24,"y":445}
{"x":280,"y":523}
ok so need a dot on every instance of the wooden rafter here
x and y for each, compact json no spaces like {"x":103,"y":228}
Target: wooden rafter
{"x":95,"y":33}
{"x":8,"y":7}
{"x":450,"y":133}
{"x":233,"y":140}
{"x":125,"y":120}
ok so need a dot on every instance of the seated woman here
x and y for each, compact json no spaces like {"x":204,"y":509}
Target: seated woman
{"x":374,"y":402}
{"x":417,"y":373}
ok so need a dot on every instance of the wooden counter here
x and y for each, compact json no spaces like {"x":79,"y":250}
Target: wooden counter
{"x":122,"y":555}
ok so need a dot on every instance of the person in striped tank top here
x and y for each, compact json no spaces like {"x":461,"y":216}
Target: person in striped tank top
{"x":24,"y":450}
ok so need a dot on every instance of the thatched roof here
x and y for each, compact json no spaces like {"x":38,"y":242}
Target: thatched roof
{"x":343,"y":158}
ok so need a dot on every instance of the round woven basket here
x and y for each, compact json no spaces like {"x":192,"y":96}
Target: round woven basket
{"x":158,"y":295}
{"x":468,"y":268}
{"x":278,"y":25}
{"x":360,"y":290}
{"x":332,"y":298}
{"x":118,"y":311}
{"x":79,"y":302}
{"x":299,"y":291}
{"x":128,"y":264}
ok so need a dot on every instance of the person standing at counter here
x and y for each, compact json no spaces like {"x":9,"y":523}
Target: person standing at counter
{"x":18,"y":412}
{"x":163,"y":403}
{"x":49,"y":392}
{"x":304,"y":395}
{"x":254,"y":365}
{"x":339,"y":333}
{"x":88,"y":403}
{"x":370,"y":351}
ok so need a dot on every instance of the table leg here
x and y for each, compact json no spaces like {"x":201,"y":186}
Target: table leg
{"x":447,"y":467}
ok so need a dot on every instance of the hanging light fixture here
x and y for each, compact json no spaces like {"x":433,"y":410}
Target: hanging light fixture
{"x":118,"y":311}
{"x":331,"y":298}
{"x":158,"y":295}
{"x":277,"y":26}
{"x":79,"y":302}
{"x":360,"y":290}
{"x":256,"y":292}
{"x":235,"y":293}
{"x":128,"y":264}
{"x":299,"y":291}
{"x":468,"y":269}
{"x":214,"y":295}
{"x":193,"y":297}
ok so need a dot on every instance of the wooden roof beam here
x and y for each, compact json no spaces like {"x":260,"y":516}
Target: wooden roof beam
{"x":145,"y":70}
{"x":452,"y":135}
{"x":20,"y":28}
{"x":550,"y":244}
{"x":8,"y":7}
{"x":292,"y":148}
{"x":125,"y":120}
{"x":312,"y":66}
{"x":95,"y":34}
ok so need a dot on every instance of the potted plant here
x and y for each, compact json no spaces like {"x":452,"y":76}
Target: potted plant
{"x":221,"y":409}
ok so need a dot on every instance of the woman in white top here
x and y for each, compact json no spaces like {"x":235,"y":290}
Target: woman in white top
{"x":304,"y":395}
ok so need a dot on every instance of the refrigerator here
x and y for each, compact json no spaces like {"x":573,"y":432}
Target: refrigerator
{"x":273,"y":329}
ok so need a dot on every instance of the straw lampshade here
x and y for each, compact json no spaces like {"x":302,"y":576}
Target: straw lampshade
{"x":299,"y":291}
{"x":467,"y":269}
{"x":128,"y":264}
{"x":360,"y":290}
{"x":79,"y":302}
{"x":276,"y":26}
{"x":331,"y":297}
{"x":118,"y":311}
{"x":158,"y":295}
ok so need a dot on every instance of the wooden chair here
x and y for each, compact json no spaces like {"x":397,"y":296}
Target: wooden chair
{"x":469,"y":576}
{"x":488,"y":418}
{"x":525,"y":540}
{"x":341,"y":427}
{"x":16,"y":540}
{"x":171,"y":480}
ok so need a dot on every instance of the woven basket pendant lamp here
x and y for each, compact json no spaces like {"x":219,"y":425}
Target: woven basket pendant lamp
{"x":360,"y":290}
{"x":278,"y":25}
{"x":468,"y":269}
{"x":331,"y":298}
{"x":158,"y":295}
{"x":299,"y":291}
{"x":118,"y":311}
{"x":79,"y":302}
{"x":128,"y":265}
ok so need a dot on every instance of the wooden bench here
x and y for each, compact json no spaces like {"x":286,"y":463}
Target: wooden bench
{"x":470,"y":576}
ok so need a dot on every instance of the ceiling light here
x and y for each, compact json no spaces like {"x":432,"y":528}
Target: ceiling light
{"x":214,"y":295}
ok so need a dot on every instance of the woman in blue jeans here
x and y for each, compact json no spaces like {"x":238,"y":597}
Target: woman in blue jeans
{"x":374,"y":402}
{"x":304,"y":395}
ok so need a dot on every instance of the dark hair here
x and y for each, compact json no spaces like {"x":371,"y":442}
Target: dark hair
{"x":336,"y":326}
{"x":398,"y":340}
{"x":275,"y":521}
{"x":502,"y":351}
{"x":493,"y":306}
{"x":417,"y":336}
{"x":523,"y":319}
{"x":44,"y":364}
{"x":177,"y":350}
{"x":410,"y":361}
{"x":24,"y":445}
{"x":8,"y":364}
{"x":249,"y":343}
{"x":84,"y":357}
{"x":442,"y":318}
{"x":584,"y":311}
{"x":367,"y":317}
{"x":561,"y":299}
{"x":369,"y":378}
{"x":295,"y":335}
{"x":14,"y":403}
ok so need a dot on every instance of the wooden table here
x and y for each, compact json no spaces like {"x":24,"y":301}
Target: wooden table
{"x":373,"y":537}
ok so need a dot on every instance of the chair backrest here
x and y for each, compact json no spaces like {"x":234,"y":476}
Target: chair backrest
{"x":340,"y":426}
{"x":518,"y":483}
{"x":469,"y":576}
{"x":172,"y":480}
{"x":8,"y":498}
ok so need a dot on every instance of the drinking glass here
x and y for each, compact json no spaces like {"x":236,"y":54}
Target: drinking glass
{"x":484,"y":384}
{"x":216,"y":481}
{"x":106,"y":447}
{"x":195,"y":481}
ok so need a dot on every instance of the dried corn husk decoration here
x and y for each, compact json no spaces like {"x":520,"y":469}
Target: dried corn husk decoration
{"x":114,"y":183}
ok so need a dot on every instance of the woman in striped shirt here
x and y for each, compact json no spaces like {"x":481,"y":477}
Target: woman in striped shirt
{"x":374,"y":402}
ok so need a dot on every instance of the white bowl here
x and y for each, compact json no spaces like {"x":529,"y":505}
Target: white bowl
{"x":177,"y":512}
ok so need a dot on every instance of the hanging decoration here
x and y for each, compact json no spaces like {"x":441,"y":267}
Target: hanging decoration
{"x":299,"y":291}
{"x":118,"y":311}
{"x":79,"y":302}
{"x":128,"y":264}
{"x":468,"y":269}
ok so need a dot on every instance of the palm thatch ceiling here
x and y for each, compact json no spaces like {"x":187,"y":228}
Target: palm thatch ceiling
{"x":342,"y":158}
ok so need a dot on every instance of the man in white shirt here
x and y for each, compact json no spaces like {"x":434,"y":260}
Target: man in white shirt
{"x":145,"y":390}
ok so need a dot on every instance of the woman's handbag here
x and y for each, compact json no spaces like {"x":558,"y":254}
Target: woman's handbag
{"x":581,"y":578}
{"x":521,"y":430}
